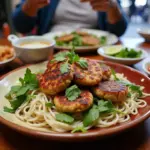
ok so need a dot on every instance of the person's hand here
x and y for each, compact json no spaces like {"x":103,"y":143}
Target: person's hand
{"x":37,"y":3}
{"x":108,"y":6}
{"x":31,"y":7}
{"x":101,"y":5}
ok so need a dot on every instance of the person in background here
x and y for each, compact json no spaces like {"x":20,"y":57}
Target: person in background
{"x":60,"y":15}
{"x":132,"y":8}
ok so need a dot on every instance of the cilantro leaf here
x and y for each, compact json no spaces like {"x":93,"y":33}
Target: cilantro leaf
{"x":114,"y":75}
{"x":15,"y":88}
{"x":133,"y":87}
{"x":30,"y":97}
{"x":19,"y":94}
{"x":77,"y":40}
{"x":61,"y":56}
{"x":52,"y":60}
{"x":128,"y":53}
{"x":105,"y":106}
{"x":12,"y":92}
{"x":9,"y":110}
{"x":103,"y":40}
{"x":129,"y":95}
{"x":30,"y":78}
{"x":64,"y":118}
{"x":122,"y":54}
{"x":64,"y":68}
{"x":49,"y":104}
{"x":91,"y":117}
{"x":72,"y":93}
{"x":79,"y":129}
{"x":136,"y":88}
{"x":73,"y":57}
{"x":21,"y":81}
{"x":22,"y":90}
{"x":94,"y":113}
{"x":139,"y":53}
{"x":83,"y":63}
{"x":18,"y":101}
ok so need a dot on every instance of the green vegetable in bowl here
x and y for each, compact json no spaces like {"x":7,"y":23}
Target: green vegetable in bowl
{"x":77,"y":41}
{"x":103,"y":40}
{"x":128,"y":53}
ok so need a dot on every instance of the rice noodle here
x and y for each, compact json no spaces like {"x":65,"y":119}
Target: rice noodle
{"x":37,"y":115}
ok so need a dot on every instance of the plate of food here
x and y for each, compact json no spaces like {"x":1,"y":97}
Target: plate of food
{"x":72,"y":99}
{"x":146,"y":66}
{"x":145,"y":33}
{"x":83,"y":39}
{"x":7,"y":54}
{"x":122,"y":54}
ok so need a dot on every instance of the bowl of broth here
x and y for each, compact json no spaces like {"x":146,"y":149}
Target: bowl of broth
{"x":32,"y":49}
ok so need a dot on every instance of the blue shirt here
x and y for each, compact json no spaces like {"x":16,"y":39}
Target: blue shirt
{"x":43,"y":21}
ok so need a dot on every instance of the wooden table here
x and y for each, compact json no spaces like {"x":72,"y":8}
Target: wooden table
{"x":137,"y":138}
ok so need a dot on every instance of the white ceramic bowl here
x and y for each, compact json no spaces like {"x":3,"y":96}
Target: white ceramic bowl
{"x":145,"y":33}
{"x":32,"y":55}
{"x":125,"y":61}
{"x":146,"y":63}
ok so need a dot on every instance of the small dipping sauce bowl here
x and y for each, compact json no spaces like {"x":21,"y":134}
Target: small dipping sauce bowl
{"x":32,"y":49}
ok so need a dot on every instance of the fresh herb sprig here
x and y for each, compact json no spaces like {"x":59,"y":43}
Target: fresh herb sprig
{"x":62,"y":117}
{"x":49,"y":104}
{"x":61,"y":56}
{"x":64,"y":68}
{"x":128,"y":53}
{"x":20,"y":93}
{"x":79,"y":129}
{"x":72,"y":93}
{"x":103,"y":40}
{"x":94,"y":113}
{"x":133,"y":88}
{"x":69,"y":58}
{"x":114,"y":75}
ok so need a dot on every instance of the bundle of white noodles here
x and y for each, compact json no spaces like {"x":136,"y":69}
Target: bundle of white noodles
{"x":36,"y":114}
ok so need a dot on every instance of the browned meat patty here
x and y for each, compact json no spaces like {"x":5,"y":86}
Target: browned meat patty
{"x":90,"y":76}
{"x":65,"y":38}
{"x":82,"y":103}
{"x":106,"y":70}
{"x":53,"y":81}
{"x":82,"y":33}
{"x":111,"y":90}
{"x":90,"y":40}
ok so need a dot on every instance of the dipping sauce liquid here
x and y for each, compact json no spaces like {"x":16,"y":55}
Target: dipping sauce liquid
{"x":35,"y":44}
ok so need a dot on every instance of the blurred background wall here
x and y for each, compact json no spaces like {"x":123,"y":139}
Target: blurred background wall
{"x":138,"y":12}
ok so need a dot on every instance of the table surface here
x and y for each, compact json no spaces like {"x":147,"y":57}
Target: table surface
{"x":137,"y":138}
